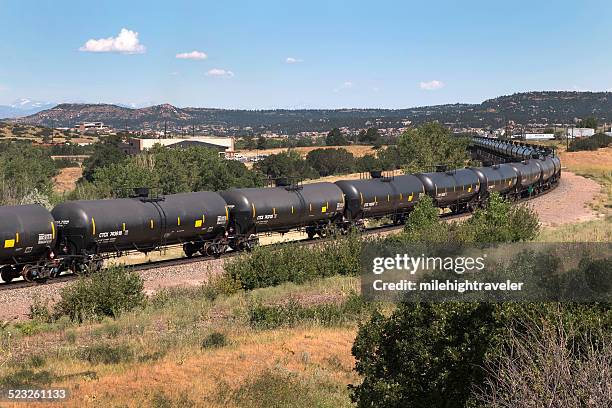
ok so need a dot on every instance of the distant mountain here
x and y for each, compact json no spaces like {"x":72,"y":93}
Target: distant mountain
{"x":23,"y":107}
{"x":531,"y":107}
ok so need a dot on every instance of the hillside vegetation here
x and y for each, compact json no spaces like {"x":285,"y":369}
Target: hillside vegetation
{"x":529,"y":107}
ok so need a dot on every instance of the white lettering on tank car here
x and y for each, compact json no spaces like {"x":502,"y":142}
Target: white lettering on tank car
{"x":45,"y":238}
{"x":112,"y":234}
{"x":221,"y":219}
{"x":266,"y":217}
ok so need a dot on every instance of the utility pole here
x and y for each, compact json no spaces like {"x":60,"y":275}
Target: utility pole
{"x":165,"y":129}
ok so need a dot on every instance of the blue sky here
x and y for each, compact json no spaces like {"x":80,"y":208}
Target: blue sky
{"x":341,"y":53}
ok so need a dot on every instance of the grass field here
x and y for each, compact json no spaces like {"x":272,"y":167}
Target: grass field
{"x":596,"y":165}
{"x":185,"y":349}
{"x":10,"y":131}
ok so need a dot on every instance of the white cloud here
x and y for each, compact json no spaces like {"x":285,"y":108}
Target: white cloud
{"x":126,"y":42}
{"x":432,"y":85}
{"x":348,"y":84}
{"x":193,"y":55}
{"x":220,"y":73}
{"x":292,"y":60}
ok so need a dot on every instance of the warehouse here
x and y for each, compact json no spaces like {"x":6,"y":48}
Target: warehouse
{"x":225,"y":145}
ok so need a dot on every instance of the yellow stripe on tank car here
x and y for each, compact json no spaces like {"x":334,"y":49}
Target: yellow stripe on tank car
{"x":226,"y":213}
{"x":123,"y":227}
{"x":17,"y":236}
{"x":178,"y":221}
{"x":9,"y":243}
{"x":410,"y":197}
{"x":388,"y":198}
{"x":93,"y":226}
{"x":274,"y":210}
{"x":310,"y":207}
{"x":253,"y":207}
{"x":361,"y":196}
{"x":292,"y":210}
{"x":53,"y":230}
{"x":151,"y":223}
{"x":401,"y":196}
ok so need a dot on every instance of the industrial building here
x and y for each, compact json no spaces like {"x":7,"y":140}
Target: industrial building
{"x":224,"y":145}
{"x":539,"y":136}
{"x":580,"y":132}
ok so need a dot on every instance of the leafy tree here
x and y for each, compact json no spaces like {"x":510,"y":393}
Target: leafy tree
{"x":105,"y":153}
{"x":594,"y":142}
{"x":24,"y":170}
{"x":331,"y":161}
{"x":590,"y":122}
{"x":171,"y":171}
{"x":285,"y":164}
{"x":262,"y":142}
{"x":499,"y":221}
{"x":435,"y":354}
{"x":390,"y":158}
{"x":370,"y":136}
{"x":335,"y":138}
{"x":431,"y":144}
{"x":249,"y":142}
{"x":368,"y":162}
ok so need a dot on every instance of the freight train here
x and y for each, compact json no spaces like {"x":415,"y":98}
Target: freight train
{"x":78,"y":235}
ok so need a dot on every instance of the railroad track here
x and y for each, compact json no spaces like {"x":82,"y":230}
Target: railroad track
{"x":195,"y":259}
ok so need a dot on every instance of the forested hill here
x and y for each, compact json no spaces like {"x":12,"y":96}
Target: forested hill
{"x":531,"y":107}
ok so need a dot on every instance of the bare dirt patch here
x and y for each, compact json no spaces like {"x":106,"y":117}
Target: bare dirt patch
{"x":66,"y":180}
{"x":568,"y":203}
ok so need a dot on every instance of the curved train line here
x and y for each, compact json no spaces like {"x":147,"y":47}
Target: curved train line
{"x":77,"y":236}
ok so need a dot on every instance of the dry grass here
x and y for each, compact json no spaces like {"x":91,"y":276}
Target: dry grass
{"x":66,"y":180}
{"x":33,"y":133}
{"x":205,"y":376}
{"x":596,"y":165}
{"x":154,"y":357}
{"x":591,"y":231}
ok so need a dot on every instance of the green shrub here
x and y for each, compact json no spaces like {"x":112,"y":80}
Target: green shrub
{"x":594,"y":142}
{"x":214,"y":340}
{"x":430,"y":355}
{"x":39,"y":311}
{"x":107,"y":354}
{"x":267,"y":266}
{"x":107,"y":293}
{"x":500,"y":221}
{"x":160,"y":400}
{"x":279,"y":389}
{"x":27,"y":378}
{"x":292,"y":313}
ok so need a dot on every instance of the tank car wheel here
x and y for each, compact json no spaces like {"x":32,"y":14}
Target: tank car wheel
{"x":189,"y":250}
{"x":311,"y":232}
{"x":6,"y":273}
{"x":205,"y":248}
{"x":28,"y":273}
{"x":95,"y":265}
